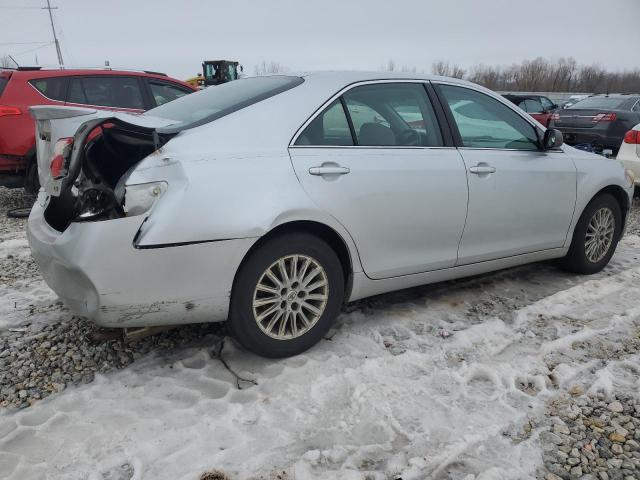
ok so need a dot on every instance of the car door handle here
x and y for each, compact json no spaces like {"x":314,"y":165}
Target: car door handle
{"x":482,"y":169}
{"x":329,"y":170}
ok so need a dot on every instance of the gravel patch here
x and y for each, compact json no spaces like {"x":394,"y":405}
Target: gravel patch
{"x":14,"y":266}
{"x":40,"y":359}
{"x":633,"y":227}
{"x":594,"y":438}
{"x":10,"y":199}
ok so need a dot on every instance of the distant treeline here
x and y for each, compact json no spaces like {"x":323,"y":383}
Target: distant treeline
{"x":541,"y":75}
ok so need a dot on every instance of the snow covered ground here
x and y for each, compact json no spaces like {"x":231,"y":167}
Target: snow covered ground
{"x":386,"y":395}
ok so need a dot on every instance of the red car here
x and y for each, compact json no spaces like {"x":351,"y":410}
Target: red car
{"x":21,"y":88}
{"x":538,"y":106}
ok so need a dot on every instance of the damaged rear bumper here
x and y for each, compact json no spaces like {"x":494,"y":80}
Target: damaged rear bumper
{"x":85,"y":265}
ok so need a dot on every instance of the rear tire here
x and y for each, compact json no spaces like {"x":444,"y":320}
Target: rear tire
{"x":595,"y":237}
{"x":279,"y":307}
{"x":31,"y":178}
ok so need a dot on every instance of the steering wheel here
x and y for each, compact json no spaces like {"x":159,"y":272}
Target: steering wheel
{"x":408,"y":137}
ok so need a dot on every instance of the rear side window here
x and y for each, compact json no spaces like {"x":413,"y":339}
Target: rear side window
{"x":384,"y":114}
{"x":215,"y":102}
{"x":165,"y":92}
{"x":117,"y":92}
{"x":53,"y":88}
{"x":329,"y":128}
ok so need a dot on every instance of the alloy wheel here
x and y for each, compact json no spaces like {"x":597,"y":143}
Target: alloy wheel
{"x":290,"y":296}
{"x":599,"y":236}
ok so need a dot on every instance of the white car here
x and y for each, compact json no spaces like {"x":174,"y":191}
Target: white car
{"x":629,"y":152}
{"x":270,"y":201}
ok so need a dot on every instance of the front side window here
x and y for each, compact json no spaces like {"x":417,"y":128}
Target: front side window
{"x":532,"y":106}
{"x":484,"y":122}
{"x":165,"y":92}
{"x":53,"y":88}
{"x":546,"y":103}
{"x":116,"y":92}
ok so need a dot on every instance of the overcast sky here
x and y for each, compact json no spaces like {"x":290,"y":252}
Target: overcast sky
{"x":175,"y":36}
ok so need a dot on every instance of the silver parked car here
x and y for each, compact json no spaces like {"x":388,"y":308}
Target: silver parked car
{"x":270,"y":201}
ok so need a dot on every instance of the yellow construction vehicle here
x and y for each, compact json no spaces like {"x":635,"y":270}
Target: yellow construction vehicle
{"x":215,"y":72}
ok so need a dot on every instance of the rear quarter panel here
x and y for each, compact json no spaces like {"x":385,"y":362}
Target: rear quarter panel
{"x":229,"y":179}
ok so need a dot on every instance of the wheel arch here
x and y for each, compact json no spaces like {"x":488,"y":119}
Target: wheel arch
{"x":621,"y":196}
{"x":321,"y":230}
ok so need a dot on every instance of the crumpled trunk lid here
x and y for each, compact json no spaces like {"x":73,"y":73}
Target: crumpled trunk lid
{"x":54,"y":123}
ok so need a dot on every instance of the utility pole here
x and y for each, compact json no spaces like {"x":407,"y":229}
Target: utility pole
{"x":55,"y":38}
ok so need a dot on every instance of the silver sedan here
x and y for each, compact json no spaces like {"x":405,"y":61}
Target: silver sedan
{"x":269,"y":202}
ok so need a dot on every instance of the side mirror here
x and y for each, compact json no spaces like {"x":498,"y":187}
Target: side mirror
{"x":551,"y":139}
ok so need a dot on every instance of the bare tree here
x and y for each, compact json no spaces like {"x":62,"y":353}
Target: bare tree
{"x":444,"y":69}
{"x":440,"y":68}
{"x":5,"y":61}
{"x":562,"y":75}
{"x":390,"y":66}
{"x":270,"y":68}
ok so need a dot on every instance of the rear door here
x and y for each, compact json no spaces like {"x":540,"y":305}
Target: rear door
{"x":107,"y":92}
{"x":375,"y":159}
{"x":521,"y":199}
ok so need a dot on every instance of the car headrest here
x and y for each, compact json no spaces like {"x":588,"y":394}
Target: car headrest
{"x":376,"y":134}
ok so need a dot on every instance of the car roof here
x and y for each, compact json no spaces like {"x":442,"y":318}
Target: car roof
{"x":621,"y":96}
{"x":29,"y":73}
{"x":353,"y":76}
{"x":337,"y":80}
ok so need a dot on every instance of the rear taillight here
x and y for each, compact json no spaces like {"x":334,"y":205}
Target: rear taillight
{"x":555,"y":116}
{"x":6,"y":110}
{"x":604,"y":117}
{"x":61,"y":155}
{"x":632,"y":137}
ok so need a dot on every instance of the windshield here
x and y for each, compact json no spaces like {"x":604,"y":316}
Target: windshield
{"x":610,"y":103}
{"x":216,"y":102}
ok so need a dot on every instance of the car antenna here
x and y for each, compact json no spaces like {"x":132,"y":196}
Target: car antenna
{"x":14,"y":60}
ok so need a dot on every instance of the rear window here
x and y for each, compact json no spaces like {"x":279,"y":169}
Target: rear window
{"x":611,"y":103}
{"x":53,"y":88}
{"x":216,"y":102}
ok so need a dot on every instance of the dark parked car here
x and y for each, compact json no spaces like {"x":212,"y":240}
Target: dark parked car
{"x":538,"y":106}
{"x":104,"y":89}
{"x":599,"y":121}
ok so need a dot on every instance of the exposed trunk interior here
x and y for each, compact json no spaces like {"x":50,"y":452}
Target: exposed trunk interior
{"x":111,"y":150}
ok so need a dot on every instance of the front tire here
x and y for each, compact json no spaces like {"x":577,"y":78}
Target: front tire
{"x":595,"y":237}
{"x":286,"y":295}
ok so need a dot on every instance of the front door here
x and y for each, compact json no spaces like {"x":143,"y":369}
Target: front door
{"x":521,"y":199}
{"x":375,"y":160}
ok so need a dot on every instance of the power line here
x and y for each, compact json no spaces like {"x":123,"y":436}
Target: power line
{"x":24,"y":43}
{"x":53,"y":29}
{"x":33,"y":49}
